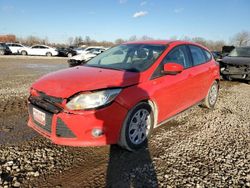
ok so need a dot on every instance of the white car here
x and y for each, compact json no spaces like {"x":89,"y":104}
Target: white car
{"x":85,"y":56}
{"x":14,"y":47}
{"x":38,"y":50}
{"x":84,"y":50}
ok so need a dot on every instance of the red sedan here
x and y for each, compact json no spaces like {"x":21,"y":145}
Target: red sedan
{"x":119,"y":96}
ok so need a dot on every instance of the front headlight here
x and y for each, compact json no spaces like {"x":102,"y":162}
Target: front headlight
{"x":92,"y":100}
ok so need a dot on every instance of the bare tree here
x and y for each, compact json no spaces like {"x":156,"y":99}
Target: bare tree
{"x":145,"y":37}
{"x":133,"y":38}
{"x":70,"y":41}
{"x":87,"y":40}
{"x":241,"y":39}
{"x":119,"y":41}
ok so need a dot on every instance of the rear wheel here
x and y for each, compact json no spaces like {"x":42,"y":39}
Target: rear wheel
{"x":24,"y":52}
{"x":212,"y":96}
{"x":137,"y":127}
{"x":70,"y":55}
{"x":48,"y":54}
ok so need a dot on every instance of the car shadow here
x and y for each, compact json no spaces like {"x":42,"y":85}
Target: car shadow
{"x":126,"y":168}
{"x":130,"y":169}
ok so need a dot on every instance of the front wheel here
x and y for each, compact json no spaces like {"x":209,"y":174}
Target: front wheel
{"x":137,"y":127}
{"x":212,"y":96}
{"x":48,"y":54}
{"x":24,"y":52}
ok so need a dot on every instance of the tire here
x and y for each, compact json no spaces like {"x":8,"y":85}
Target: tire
{"x":24,"y":52}
{"x":228,"y":77}
{"x":138,"y":123}
{"x":48,"y":54}
{"x":2,"y":52}
{"x":212,"y":96}
{"x":70,"y":55}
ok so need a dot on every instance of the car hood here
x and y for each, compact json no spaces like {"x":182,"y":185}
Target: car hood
{"x":67,"y":82}
{"x":236,"y":60}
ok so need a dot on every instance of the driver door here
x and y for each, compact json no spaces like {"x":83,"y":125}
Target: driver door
{"x":173,"y":93}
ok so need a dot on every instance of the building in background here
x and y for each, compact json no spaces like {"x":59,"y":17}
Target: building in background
{"x":7,"y":38}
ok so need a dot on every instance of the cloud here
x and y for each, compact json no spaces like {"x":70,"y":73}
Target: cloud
{"x":178,"y":10}
{"x":143,"y":3}
{"x":140,"y":14}
{"x":123,"y":1}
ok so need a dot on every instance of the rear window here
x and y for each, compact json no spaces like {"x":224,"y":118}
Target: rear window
{"x":240,"y":52}
{"x":198,"y":55}
{"x":208,"y":55}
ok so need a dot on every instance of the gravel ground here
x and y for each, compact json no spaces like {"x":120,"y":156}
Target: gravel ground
{"x":199,"y":148}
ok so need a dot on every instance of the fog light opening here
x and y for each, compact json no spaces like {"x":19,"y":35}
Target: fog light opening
{"x":97,"y":132}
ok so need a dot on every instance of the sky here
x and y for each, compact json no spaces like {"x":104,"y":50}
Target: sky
{"x":111,"y":19}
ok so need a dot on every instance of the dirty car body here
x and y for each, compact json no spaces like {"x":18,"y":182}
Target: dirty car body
{"x":89,"y":105}
{"x":237,"y":64}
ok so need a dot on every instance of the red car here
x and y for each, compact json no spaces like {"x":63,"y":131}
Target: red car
{"x":119,"y":96}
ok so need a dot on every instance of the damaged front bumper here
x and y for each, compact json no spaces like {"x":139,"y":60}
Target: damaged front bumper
{"x":82,"y":128}
{"x":235,"y":71}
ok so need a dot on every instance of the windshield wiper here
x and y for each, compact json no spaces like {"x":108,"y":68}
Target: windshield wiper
{"x":103,"y":67}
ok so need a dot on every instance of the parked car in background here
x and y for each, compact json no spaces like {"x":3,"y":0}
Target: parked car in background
{"x":38,"y":50}
{"x":80,"y":49}
{"x":4,"y":49}
{"x":236,"y":65}
{"x":226,"y":50}
{"x":217,"y":55}
{"x":119,"y":96}
{"x":66,"y":52}
{"x":15,"y":47}
{"x":85,"y":56}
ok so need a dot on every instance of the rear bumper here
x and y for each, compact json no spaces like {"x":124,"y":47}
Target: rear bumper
{"x":76,"y":129}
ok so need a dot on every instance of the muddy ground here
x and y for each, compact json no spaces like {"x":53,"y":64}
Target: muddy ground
{"x":199,"y":148}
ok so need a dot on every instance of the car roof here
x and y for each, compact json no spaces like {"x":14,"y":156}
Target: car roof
{"x":41,"y":45}
{"x":165,"y":42}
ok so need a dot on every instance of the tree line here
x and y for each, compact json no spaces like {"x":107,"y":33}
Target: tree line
{"x":239,"y":39}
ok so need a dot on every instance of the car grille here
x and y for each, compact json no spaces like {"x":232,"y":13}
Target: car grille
{"x":46,"y":103}
{"x":48,"y":119}
{"x":62,"y":130}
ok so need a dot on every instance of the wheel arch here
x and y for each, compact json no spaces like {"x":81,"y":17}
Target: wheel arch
{"x":154,"y":108}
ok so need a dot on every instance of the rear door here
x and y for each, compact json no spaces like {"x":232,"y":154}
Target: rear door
{"x":200,"y":73}
{"x":43,"y":50}
{"x":173,"y":93}
{"x":34,"y":50}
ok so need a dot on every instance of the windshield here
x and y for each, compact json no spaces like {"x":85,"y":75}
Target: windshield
{"x":240,"y":52}
{"x":130,"y":57}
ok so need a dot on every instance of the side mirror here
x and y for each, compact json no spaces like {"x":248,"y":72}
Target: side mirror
{"x":172,"y":68}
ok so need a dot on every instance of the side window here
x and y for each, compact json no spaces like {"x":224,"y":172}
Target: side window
{"x":178,"y":55}
{"x":35,"y":47}
{"x":197,"y":55}
{"x":89,"y":49}
{"x":208,"y":56}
